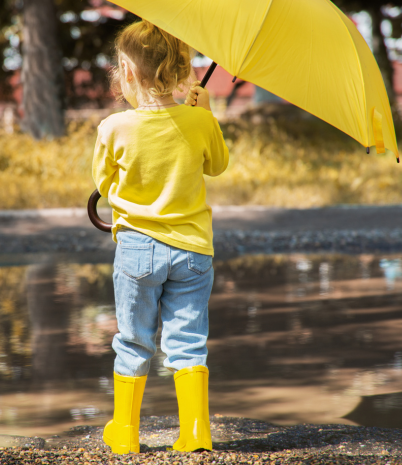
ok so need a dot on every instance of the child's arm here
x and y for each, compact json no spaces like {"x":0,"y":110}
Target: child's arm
{"x":217,"y":156}
{"x":104,"y":166}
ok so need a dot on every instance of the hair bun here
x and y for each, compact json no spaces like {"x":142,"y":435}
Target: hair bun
{"x":162,"y":62}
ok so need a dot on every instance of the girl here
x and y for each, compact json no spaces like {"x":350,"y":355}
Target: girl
{"x":150,"y":162}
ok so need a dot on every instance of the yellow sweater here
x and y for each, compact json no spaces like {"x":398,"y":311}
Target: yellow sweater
{"x":150,"y":165}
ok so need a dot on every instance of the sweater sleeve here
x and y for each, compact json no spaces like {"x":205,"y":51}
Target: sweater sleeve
{"x":104,"y":166}
{"x":217,"y":154}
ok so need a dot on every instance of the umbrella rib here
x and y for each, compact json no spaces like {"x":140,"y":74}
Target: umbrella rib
{"x":255,"y":38}
{"x":360,"y":69}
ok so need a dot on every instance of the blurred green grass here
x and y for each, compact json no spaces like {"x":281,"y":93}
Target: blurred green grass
{"x":282,"y":159}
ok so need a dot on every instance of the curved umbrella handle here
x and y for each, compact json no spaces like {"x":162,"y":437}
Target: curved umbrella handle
{"x":93,"y":214}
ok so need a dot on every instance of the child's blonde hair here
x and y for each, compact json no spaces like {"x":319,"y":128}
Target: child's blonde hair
{"x":162,"y":62}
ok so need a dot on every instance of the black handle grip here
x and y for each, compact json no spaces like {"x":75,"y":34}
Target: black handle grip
{"x":208,"y":74}
{"x":93,"y":214}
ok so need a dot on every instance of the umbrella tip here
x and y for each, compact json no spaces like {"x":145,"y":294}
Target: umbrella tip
{"x":397,"y":160}
{"x":368,"y":150}
{"x":234,"y":79}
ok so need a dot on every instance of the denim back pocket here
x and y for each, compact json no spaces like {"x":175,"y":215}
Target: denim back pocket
{"x":199,"y":263}
{"x":137,"y":260}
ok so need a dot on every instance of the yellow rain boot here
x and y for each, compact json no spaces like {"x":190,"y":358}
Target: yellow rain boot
{"x":121,"y":433}
{"x":192,"y":397}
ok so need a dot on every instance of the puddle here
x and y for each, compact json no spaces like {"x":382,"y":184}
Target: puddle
{"x":293,"y":339}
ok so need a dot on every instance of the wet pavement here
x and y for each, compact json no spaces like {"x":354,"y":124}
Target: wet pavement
{"x":296,"y":338}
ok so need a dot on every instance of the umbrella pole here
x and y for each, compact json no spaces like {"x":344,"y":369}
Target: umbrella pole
{"x":208,"y":74}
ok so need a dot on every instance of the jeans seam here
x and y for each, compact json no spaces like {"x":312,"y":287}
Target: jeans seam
{"x":189,"y":262}
{"x":137,"y":277}
{"x":151,"y":258}
{"x":168,"y":259}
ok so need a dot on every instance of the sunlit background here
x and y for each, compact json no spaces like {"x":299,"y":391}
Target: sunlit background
{"x":294,"y":338}
{"x":280,"y":155}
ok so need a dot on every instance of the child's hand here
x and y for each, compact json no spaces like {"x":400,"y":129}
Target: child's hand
{"x":198,"y":96}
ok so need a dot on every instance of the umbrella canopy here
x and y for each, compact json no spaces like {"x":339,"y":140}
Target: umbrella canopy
{"x":306,"y":51}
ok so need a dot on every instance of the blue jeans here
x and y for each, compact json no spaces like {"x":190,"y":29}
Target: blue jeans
{"x":148,"y":272}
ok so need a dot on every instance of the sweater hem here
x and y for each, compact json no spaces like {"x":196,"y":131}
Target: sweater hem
{"x":166,"y":240}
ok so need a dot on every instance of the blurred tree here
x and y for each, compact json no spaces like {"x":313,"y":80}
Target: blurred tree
{"x":7,"y":8}
{"x":87,"y":36}
{"x":378,"y":12}
{"x":86,"y":30}
{"x":380,"y":51}
{"x":42,"y":71}
{"x":57,"y":39}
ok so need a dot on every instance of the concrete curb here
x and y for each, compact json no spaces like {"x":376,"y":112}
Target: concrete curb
{"x":50,"y":212}
{"x":80,"y":212}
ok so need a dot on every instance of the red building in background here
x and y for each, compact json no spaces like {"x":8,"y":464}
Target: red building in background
{"x":220,"y":87}
{"x":230,"y":99}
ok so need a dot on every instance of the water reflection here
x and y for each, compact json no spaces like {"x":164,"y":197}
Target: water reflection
{"x":292,"y":339}
{"x":381,"y":411}
{"x":392,"y":271}
{"x":48,"y":303}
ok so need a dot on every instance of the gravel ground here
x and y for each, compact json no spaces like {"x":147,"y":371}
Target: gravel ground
{"x":228,"y":243}
{"x":235,"y":440}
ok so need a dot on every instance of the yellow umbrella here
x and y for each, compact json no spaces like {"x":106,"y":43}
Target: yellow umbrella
{"x":305,"y":51}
